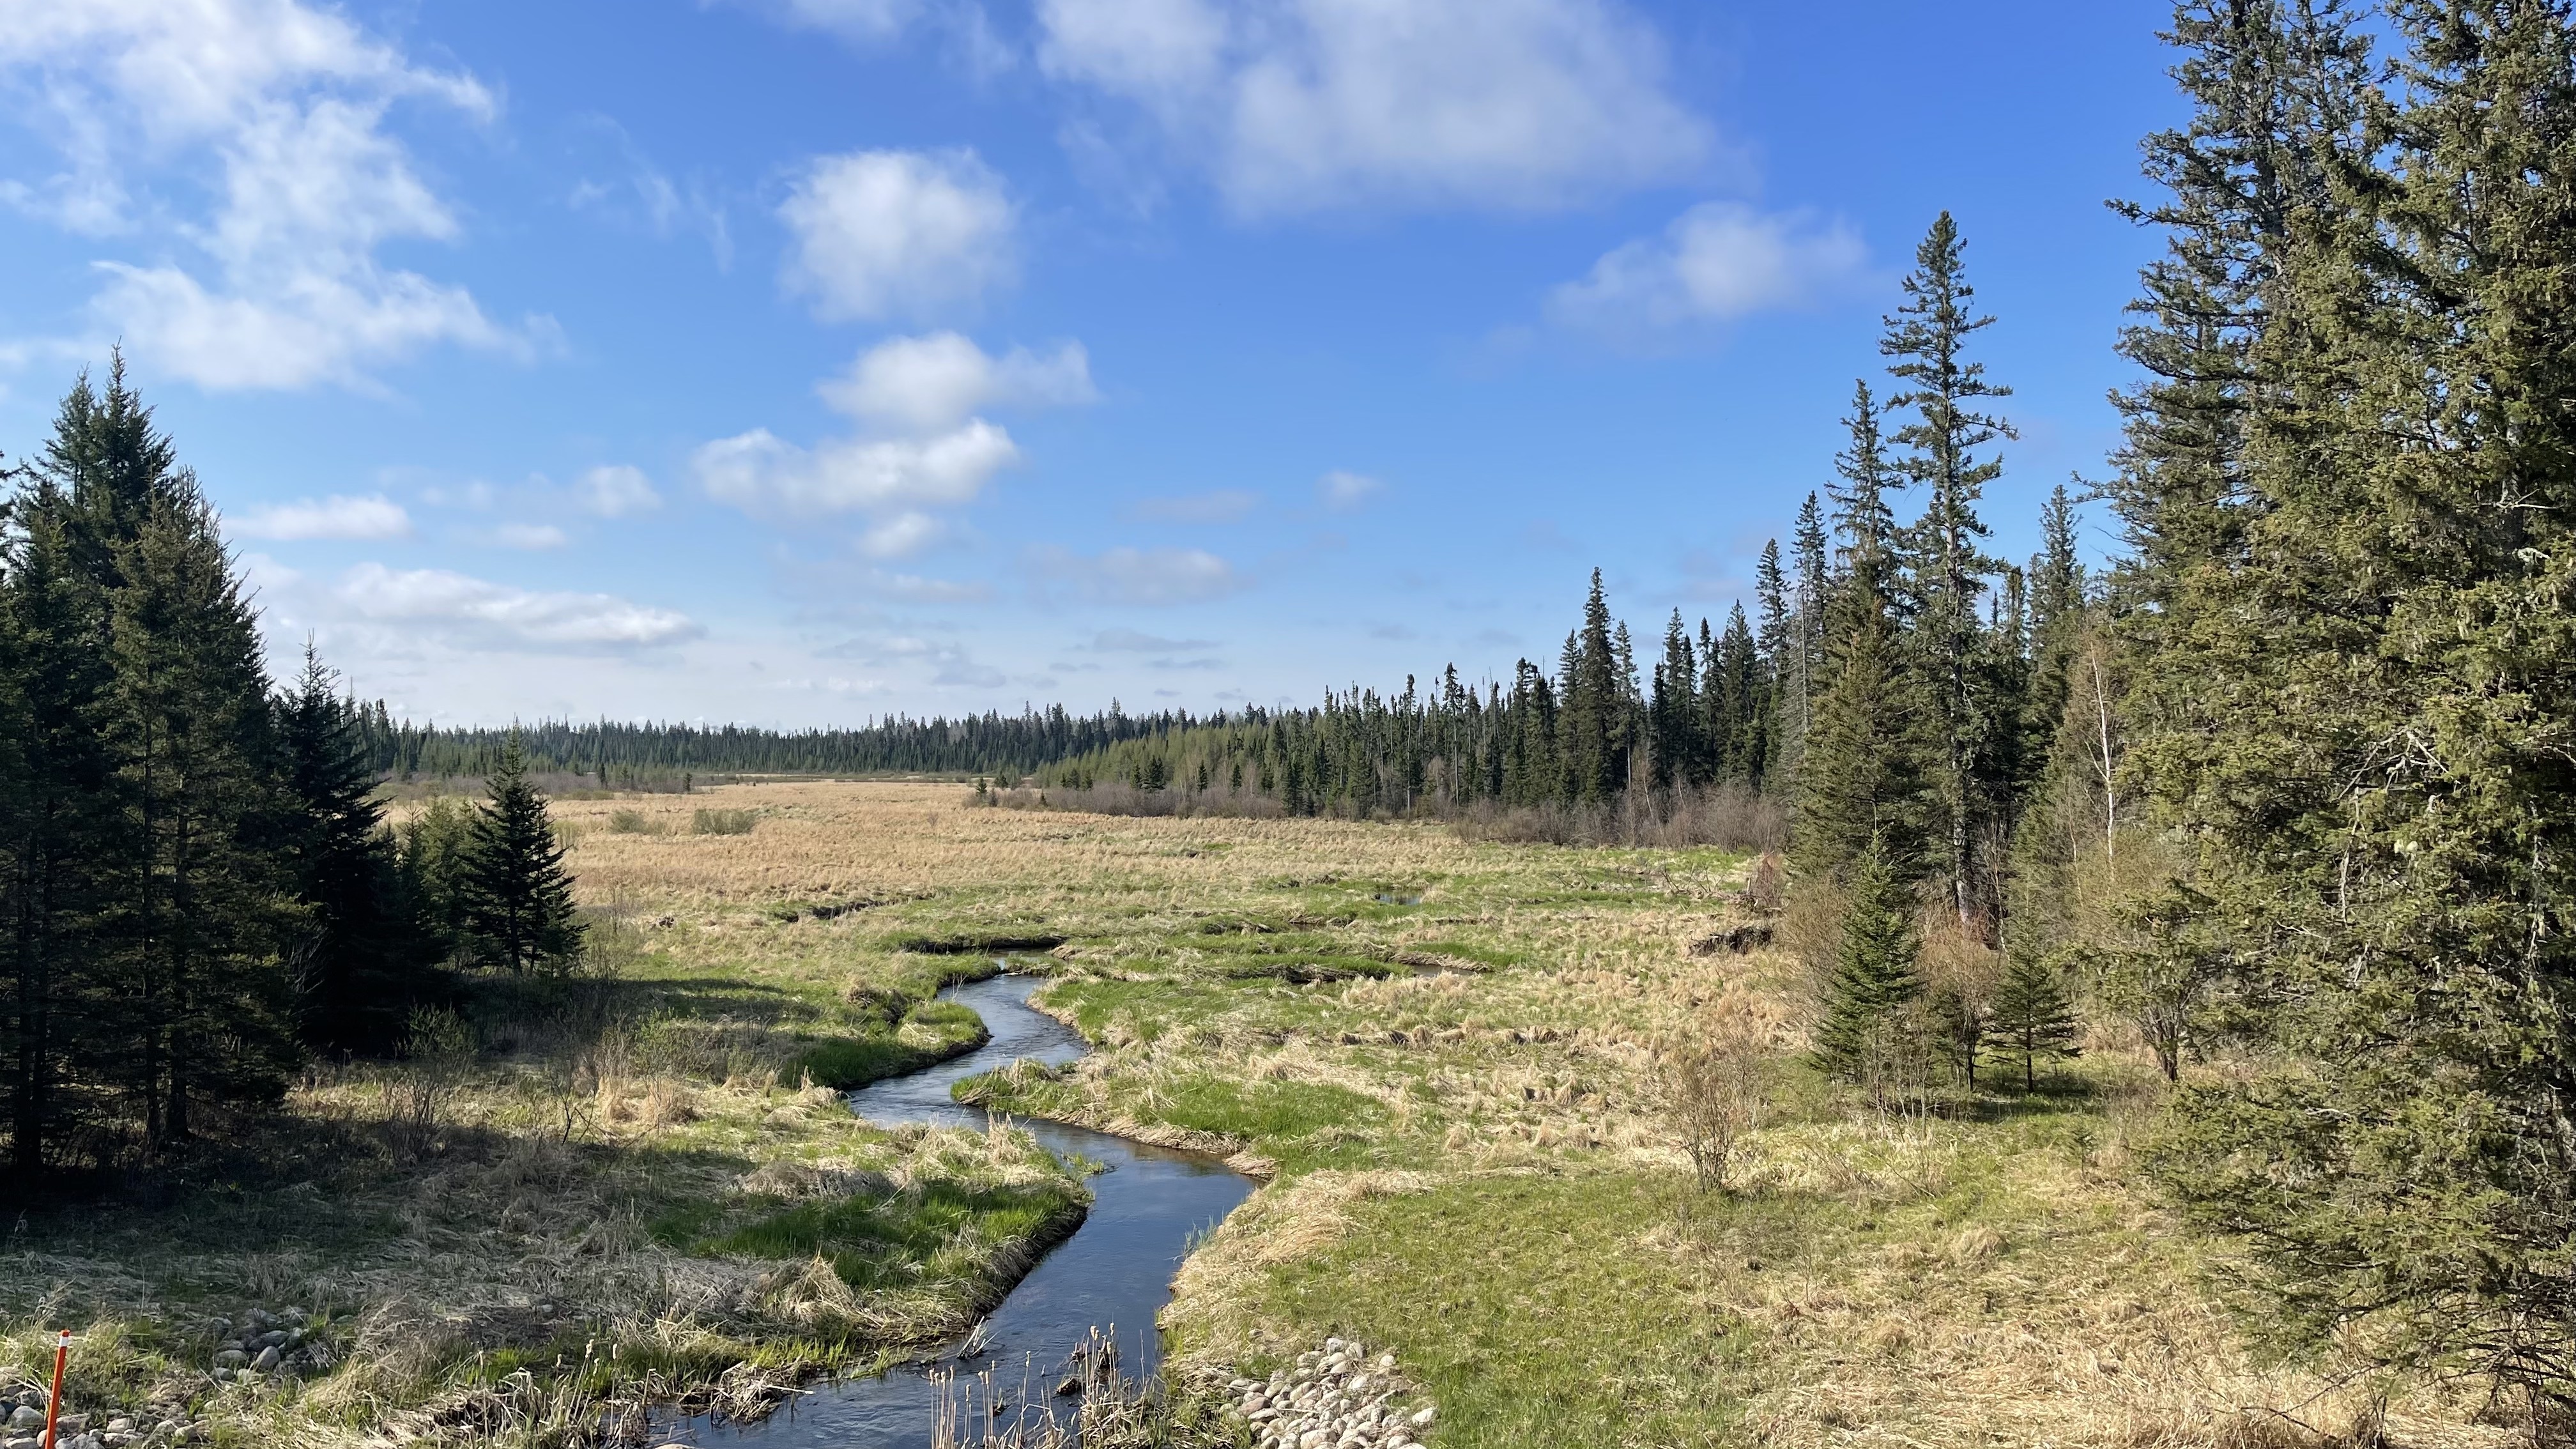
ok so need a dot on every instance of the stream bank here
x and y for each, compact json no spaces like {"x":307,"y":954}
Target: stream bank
{"x":1112,"y":1273}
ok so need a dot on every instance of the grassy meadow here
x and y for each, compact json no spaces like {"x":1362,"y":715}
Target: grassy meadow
{"x":1440,"y":1055}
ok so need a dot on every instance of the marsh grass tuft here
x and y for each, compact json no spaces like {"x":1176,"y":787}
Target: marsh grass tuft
{"x":722,"y":822}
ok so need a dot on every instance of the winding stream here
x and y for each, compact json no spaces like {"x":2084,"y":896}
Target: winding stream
{"x":1115,"y":1270}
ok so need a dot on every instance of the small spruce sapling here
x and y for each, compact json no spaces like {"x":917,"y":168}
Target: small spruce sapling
{"x":2032,"y":1017}
{"x":518,"y":910}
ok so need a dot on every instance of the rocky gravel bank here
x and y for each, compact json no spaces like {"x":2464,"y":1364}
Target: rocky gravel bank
{"x":1335,"y":1397}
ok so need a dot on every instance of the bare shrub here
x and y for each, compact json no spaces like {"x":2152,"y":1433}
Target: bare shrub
{"x":437,"y":1047}
{"x":1729,"y":816}
{"x":1714,"y":1086}
{"x":612,"y":938}
{"x":1959,"y":975}
{"x":1811,"y":931}
{"x":636,"y":822}
{"x":1113,"y":797}
{"x":1766,"y":887}
{"x":722,"y":822}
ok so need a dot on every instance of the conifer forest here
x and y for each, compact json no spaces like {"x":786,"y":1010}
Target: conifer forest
{"x":2258,"y":776}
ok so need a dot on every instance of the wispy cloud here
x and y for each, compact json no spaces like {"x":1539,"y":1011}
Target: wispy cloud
{"x":282,"y":107}
{"x":337,"y":517}
{"x":1130,"y":641}
{"x":1139,"y":576}
{"x":932,"y":383}
{"x":484,"y":611}
{"x":615,"y":490}
{"x":1715,"y":263}
{"x":1303,"y":106}
{"x":1343,"y":491}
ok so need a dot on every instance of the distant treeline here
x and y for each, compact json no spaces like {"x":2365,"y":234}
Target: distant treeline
{"x":645,"y":755}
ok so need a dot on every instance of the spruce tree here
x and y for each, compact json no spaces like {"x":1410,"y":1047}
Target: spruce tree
{"x":1803,"y":662}
{"x":1862,"y":775}
{"x":1746,"y":714}
{"x":2031,"y":1016}
{"x":1927,"y":339}
{"x":1866,"y":1030}
{"x":2356,"y":708}
{"x":203,"y":882}
{"x":60,"y":829}
{"x":1679,"y":752}
{"x":1593,"y":704}
{"x":518,"y":910}
{"x":357,"y":960}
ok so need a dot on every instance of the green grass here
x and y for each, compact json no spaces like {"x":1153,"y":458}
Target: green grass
{"x":940,"y":1030}
{"x":944,"y":1231}
{"x":1527,"y":1308}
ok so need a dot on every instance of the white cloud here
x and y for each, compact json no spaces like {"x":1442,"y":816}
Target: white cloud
{"x":1343,"y":491}
{"x":1140,"y":576}
{"x":530,"y":536}
{"x":336,"y":517}
{"x":923,"y":447}
{"x":898,"y":233}
{"x":499,"y":613}
{"x":263,"y":573}
{"x":615,"y":491}
{"x":931,"y":383}
{"x":1312,"y":105}
{"x":922,"y":590}
{"x":762,"y":473}
{"x":867,"y":21}
{"x":1716,"y":262}
{"x":902,"y":535}
{"x":285,"y":105}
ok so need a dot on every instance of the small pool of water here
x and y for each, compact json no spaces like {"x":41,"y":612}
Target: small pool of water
{"x":1115,"y":1272}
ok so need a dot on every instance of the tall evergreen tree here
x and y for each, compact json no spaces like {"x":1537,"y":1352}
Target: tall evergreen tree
{"x":356,"y":961}
{"x":1927,"y":341}
{"x":518,"y":898}
{"x":2357,"y":708}
{"x":202,"y":891}
{"x":1674,"y":712}
{"x":1862,"y":778}
{"x":1802,"y":664}
{"x":1595,"y":704}
{"x":1746,"y":717}
{"x":1862,"y":773}
{"x":60,"y":829}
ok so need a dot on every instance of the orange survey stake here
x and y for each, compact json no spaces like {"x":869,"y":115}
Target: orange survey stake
{"x":54,"y":1401}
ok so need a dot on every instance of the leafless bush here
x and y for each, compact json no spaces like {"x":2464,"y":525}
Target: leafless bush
{"x":1729,"y":816}
{"x":437,"y":1047}
{"x":1714,"y":1085}
{"x":1113,"y":797}
{"x":1767,"y":886}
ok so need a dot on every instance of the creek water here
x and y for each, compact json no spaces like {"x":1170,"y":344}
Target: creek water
{"x":1114,"y":1273}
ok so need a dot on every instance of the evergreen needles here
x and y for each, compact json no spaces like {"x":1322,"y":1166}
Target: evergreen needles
{"x":517,"y":900}
{"x":1869,"y":1034}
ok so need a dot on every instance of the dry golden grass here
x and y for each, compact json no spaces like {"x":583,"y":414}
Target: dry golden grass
{"x":1936,"y":1282}
{"x":1469,"y":1165}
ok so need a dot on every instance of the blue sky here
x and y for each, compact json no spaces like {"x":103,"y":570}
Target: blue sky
{"x":797,"y":361}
